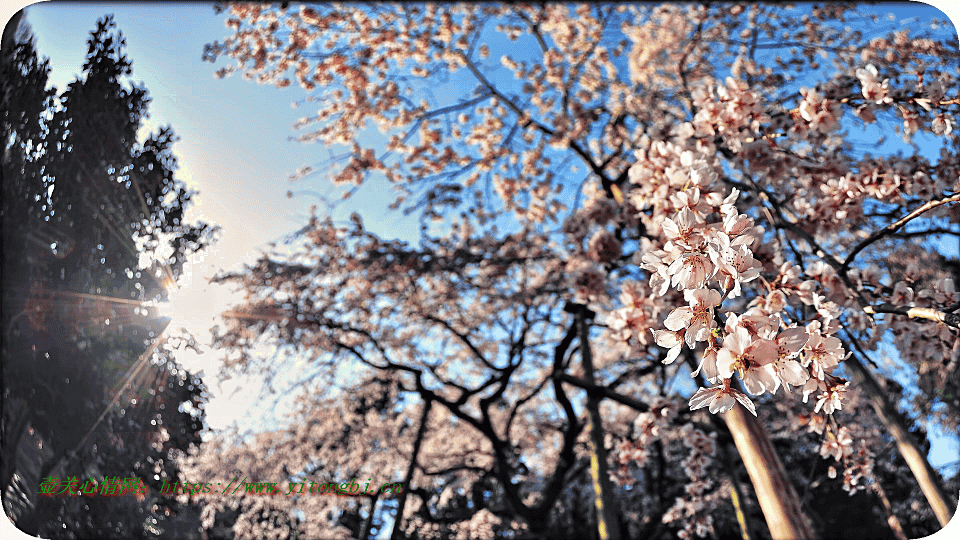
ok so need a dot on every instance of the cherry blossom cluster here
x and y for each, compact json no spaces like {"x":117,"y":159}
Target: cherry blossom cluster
{"x":733,"y":110}
{"x":928,"y":95}
{"x":630,"y":325}
{"x":933,"y":348}
{"x":709,"y":259}
{"x":648,"y":428}
{"x":690,"y":510}
{"x":822,"y":114}
{"x":857,"y":461}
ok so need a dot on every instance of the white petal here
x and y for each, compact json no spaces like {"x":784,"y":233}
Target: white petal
{"x":670,"y":228}
{"x":678,"y":318}
{"x":673,"y":354}
{"x":666,"y":339}
{"x":659,"y":284}
{"x":703,"y":397}
{"x":745,"y":401}
{"x":793,"y":338}
{"x":722,"y":403}
{"x":762,"y":351}
{"x":791,"y":372}
{"x":753,"y":385}
{"x":725,"y":363}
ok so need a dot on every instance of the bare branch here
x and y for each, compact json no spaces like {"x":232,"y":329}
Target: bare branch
{"x":896,"y":225}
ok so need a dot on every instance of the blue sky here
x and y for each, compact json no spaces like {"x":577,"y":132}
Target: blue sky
{"x":234,"y":148}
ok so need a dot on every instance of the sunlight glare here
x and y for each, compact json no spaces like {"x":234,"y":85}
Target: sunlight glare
{"x":187,"y":306}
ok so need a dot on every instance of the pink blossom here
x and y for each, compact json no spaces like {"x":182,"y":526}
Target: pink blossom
{"x":708,"y":363}
{"x":755,"y":321}
{"x":751,"y":359}
{"x":690,"y":199}
{"x":659,"y":272}
{"x":902,"y":294}
{"x":822,"y":114}
{"x":683,"y":230}
{"x":604,"y":247}
{"x":837,"y":445}
{"x":740,"y":229}
{"x":942,"y":124}
{"x":734,"y":265}
{"x":871,"y":87}
{"x":822,"y":353}
{"x":832,"y":399}
{"x":788,"y":369}
{"x":691,"y":270}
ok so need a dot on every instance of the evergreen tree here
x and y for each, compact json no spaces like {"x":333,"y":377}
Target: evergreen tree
{"x":93,"y":226}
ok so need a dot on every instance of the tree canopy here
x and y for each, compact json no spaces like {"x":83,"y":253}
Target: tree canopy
{"x":629,"y":213}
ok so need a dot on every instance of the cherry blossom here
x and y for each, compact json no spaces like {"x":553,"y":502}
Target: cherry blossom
{"x":821,"y":353}
{"x":838,"y":445}
{"x":751,"y":359}
{"x":789,"y":344}
{"x":708,"y":363}
{"x":670,"y":340}
{"x":697,"y":318}
{"x":604,"y":247}
{"x":720,"y":399}
{"x":872,"y":89}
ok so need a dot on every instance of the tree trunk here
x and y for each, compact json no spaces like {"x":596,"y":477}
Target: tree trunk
{"x":408,"y":478}
{"x":778,"y":498}
{"x":368,"y":523}
{"x":15,"y":424}
{"x":927,"y":478}
{"x":607,"y":520}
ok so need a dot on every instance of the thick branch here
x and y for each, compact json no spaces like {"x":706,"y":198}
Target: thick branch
{"x":567,"y":458}
{"x":605,"y":392}
{"x":887,"y":413}
{"x":777,"y":496}
{"x":927,"y":232}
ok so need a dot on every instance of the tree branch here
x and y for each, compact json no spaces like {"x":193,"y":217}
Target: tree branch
{"x":950,"y":319}
{"x":603,"y":391}
{"x":896,"y":225}
{"x":465,"y":340}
